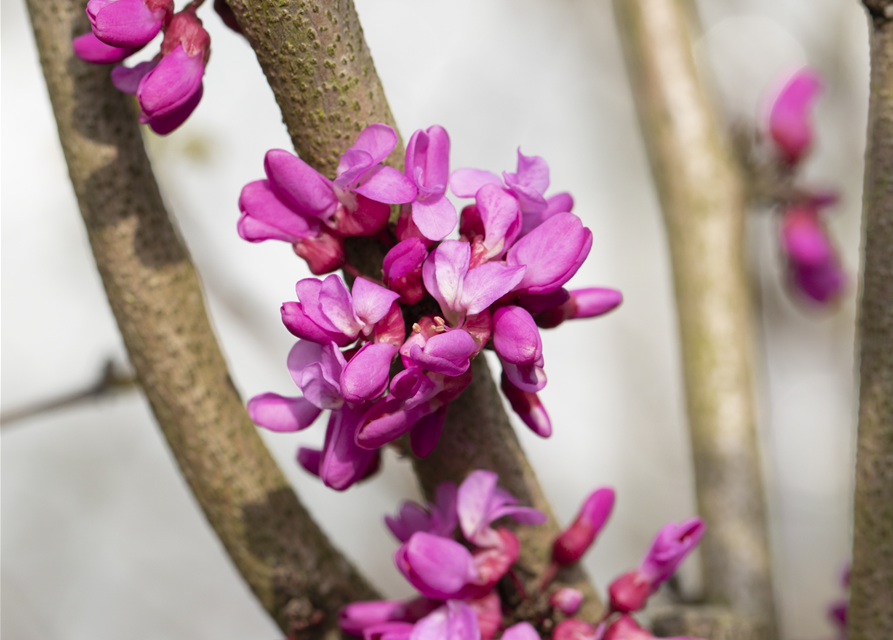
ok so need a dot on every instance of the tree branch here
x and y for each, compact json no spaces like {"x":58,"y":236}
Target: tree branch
{"x":320,"y":68}
{"x":702,"y":197}
{"x":154,"y":292}
{"x":871,"y":589}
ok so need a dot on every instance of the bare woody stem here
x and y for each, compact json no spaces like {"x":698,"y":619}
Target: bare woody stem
{"x":319,"y":66}
{"x":154,"y":292}
{"x":702,"y":195}
{"x":871,"y":589}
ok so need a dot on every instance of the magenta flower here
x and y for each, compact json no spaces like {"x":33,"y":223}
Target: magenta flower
{"x":521,"y":631}
{"x":789,"y":117}
{"x":528,"y":184}
{"x":462,"y":291}
{"x":402,"y":268}
{"x":516,"y":340}
{"x":358,"y":616}
{"x":480,"y":502}
{"x":552,"y":253}
{"x":528,"y":407}
{"x":89,"y":48}
{"x":128,"y":23}
{"x":566,"y":600}
{"x":671,"y":546}
{"x":574,"y":541}
{"x":580,"y":303}
{"x":438,"y":567}
{"x":573,"y":629}
{"x":496,"y":219}
{"x":428,"y":166}
{"x":813,"y":263}
{"x":327,"y":311}
{"x":170,"y":90}
{"x":455,"y":620}
{"x":439,"y":519}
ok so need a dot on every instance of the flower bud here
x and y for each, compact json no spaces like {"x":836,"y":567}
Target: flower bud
{"x":573,"y":542}
{"x":89,"y":48}
{"x":789,"y":121}
{"x":528,"y":407}
{"x":573,"y":629}
{"x":128,"y":23}
{"x":324,"y":253}
{"x":567,"y":600}
{"x":629,"y":592}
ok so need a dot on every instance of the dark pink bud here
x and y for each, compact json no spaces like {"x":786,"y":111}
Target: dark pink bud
{"x":625,"y":628}
{"x":789,"y":119}
{"x":185,"y":29}
{"x":368,"y":218}
{"x":470,"y":223}
{"x":670,"y":547}
{"x":128,"y":23}
{"x":528,"y":407}
{"x":595,"y":301}
{"x":324,"y":253}
{"x":573,"y":542}
{"x":573,"y":629}
{"x":402,"y":269}
{"x":567,"y":600}
{"x":629,"y":592}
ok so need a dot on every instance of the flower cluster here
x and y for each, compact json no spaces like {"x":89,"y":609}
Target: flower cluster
{"x":814,"y":267}
{"x":458,"y":599}
{"x":168,"y":87}
{"x":495,"y":286}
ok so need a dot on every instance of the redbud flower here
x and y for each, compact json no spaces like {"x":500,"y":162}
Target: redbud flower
{"x":439,"y":518}
{"x":574,"y":541}
{"x":128,"y":23}
{"x":480,"y":502}
{"x":813,"y":263}
{"x":438,"y":567}
{"x":402,"y":269}
{"x":428,"y":166}
{"x":89,"y":48}
{"x":454,"y":621}
{"x":566,"y":600}
{"x":552,"y":253}
{"x":528,"y":407}
{"x":516,"y":340}
{"x":670,"y":547}
{"x":626,"y":628}
{"x":573,"y":629}
{"x":789,"y":122}
{"x":521,"y":631}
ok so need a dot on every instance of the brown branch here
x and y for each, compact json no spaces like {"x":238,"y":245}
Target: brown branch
{"x":871,"y":590}
{"x":702,"y":197}
{"x":320,"y":68}
{"x":155,"y":295}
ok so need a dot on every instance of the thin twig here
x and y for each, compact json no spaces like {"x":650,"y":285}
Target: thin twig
{"x":703,"y":199}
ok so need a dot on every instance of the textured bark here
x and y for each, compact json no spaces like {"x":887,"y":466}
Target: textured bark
{"x":320,"y":68}
{"x":477,"y":435}
{"x":702,"y":197}
{"x":871,"y":589}
{"x":155,"y":295}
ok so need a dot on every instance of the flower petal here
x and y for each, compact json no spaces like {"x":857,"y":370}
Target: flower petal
{"x":175,"y":79}
{"x":127,"y":79}
{"x":466,"y":182}
{"x":516,"y":337}
{"x":444,"y":272}
{"x":343,"y":462}
{"x":435,"y":217}
{"x":300,"y":184}
{"x":386,"y":184}
{"x":89,"y":48}
{"x":378,"y":140}
{"x":487,"y":283}
{"x":473,"y":501}
{"x":127,"y":23}
{"x":438,"y":567}
{"x":278,"y":413}
{"x":266,"y":216}
{"x":365,"y":377}
{"x":371,"y":302}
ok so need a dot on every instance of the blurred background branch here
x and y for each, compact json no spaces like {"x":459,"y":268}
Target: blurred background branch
{"x":702,"y":194}
{"x":871,"y":588}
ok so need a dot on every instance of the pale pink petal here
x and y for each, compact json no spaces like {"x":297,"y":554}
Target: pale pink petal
{"x":343,"y":462}
{"x":516,"y":337}
{"x":302,"y":354}
{"x":378,"y":140}
{"x":533,"y":172}
{"x":447,"y":353}
{"x":386,"y":184}
{"x":466,"y":182}
{"x":473,"y":501}
{"x":267,"y":211}
{"x":337,"y":306}
{"x":278,"y":413}
{"x":438,"y":567}
{"x":435,"y":217}
{"x":444,"y":272}
{"x":365,"y":377}
{"x":501,"y":216}
{"x":487,"y":283}
{"x":371,"y":302}
{"x":522,"y":630}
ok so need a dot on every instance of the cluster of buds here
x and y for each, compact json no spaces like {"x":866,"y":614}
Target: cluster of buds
{"x":495,"y":286}
{"x":814,"y":268}
{"x":168,"y":87}
{"x":457,"y":582}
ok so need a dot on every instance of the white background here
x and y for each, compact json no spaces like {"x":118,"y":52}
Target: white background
{"x":100,"y":537}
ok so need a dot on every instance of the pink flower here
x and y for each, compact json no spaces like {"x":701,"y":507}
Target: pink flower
{"x":128,"y":23}
{"x":528,"y":184}
{"x":528,"y":407}
{"x":481,"y":502}
{"x":670,"y":547}
{"x":566,"y":600}
{"x":552,"y":253}
{"x":521,"y":631}
{"x":573,"y":629}
{"x":171,"y":89}
{"x":428,"y":166}
{"x":626,"y":628}
{"x":516,"y":340}
{"x":438,"y":567}
{"x":402,"y":268}
{"x":574,"y":541}
{"x":439,"y":518}
{"x":454,"y":621}
{"x":89,"y":48}
{"x":580,"y":303}
{"x":813,"y":263}
{"x":789,"y":121}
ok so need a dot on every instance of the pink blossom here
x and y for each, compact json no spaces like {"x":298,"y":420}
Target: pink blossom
{"x":581,"y":303}
{"x":427,"y":165}
{"x":440,"y":518}
{"x":574,"y":541}
{"x":89,"y":48}
{"x":813,"y":263}
{"x":455,"y":620}
{"x":566,"y":600}
{"x":670,"y":547}
{"x":481,"y":502}
{"x":626,"y":628}
{"x":516,"y":340}
{"x":402,"y":269}
{"x":552,"y":253}
{"x":128,"y":23}
{"x":789,"y":117}
{"x":438,"y":567}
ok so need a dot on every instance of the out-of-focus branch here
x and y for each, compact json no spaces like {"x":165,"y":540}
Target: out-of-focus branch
{"x":154,"y":292}
{"x":702,"y":197}
{"x":320,"y":68}
{"x":871,"y":588}
{"x":109,"y":380}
